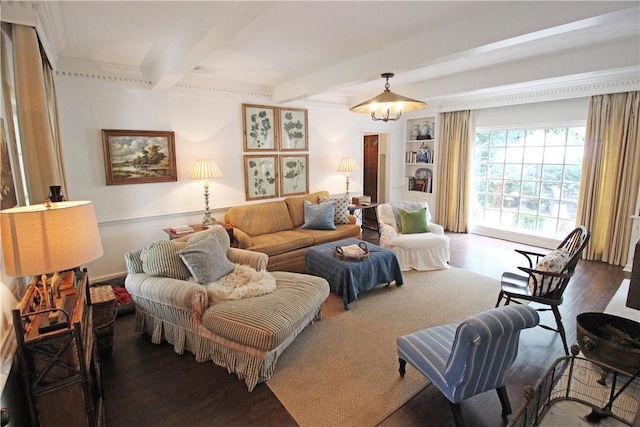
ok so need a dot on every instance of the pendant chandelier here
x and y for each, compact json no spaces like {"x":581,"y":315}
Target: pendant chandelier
{"x":387,"y":103}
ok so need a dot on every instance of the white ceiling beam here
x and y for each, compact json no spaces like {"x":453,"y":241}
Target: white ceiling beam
{"x":446,"y":45}
{"x":198,"y":38}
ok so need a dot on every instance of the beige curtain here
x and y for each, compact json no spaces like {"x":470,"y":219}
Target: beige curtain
{"x":610,"y":175}
{"x":37,"y":118}
{"x":455,"y":157}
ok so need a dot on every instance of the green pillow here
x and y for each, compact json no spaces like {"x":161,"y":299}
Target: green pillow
{"x":414,"y":221}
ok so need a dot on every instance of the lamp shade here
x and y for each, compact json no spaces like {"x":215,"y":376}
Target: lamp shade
{"x":205,"y":169}
{"x":387,"y":103}
{"x":38,"y":239}
{"x":348,"y":164}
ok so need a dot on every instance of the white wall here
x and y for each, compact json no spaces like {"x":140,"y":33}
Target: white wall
{"x":206,"y":126}
{"x":545,"y":113}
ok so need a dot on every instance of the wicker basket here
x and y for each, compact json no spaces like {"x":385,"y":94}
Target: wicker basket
{"x":103,"y":303}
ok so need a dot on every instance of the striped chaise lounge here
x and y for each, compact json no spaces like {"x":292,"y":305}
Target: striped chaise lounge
{"x":246,"y":336}
{"x":470,"y":358}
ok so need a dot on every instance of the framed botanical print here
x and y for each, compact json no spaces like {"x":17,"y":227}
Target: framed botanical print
{"x":294,"y":174}
{"x":260,"y":176}
{"x":293,"y":129}
{"x":259,"y":127}
{"x":139,"y":156}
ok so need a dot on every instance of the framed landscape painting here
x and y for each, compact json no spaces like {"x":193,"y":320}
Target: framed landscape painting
{"x":139,"y":156}
{"x":260,"y":176}
{"x":293,"y":129}
{"x":294,"y":173}
{"x":259,"y":127}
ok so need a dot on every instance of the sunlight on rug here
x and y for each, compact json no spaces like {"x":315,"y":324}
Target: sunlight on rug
{"x":343,"y":370}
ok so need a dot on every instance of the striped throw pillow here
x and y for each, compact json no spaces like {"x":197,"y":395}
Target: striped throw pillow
{"x":161,"y":259}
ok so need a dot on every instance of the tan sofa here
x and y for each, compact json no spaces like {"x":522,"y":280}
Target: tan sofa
{"x":274,"y":228}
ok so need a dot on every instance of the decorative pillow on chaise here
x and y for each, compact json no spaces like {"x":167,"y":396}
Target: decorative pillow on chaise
{"x":206,"y":260}
{"x":161,"y":259}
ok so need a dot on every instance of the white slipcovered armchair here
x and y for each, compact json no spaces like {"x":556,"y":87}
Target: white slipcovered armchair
{"x":417,"y":251}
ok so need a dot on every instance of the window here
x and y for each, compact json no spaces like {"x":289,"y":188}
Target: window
{"x":528,"y":180}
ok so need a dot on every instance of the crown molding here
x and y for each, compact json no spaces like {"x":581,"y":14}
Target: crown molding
{"x":566,"y":87}
{"x":575,"y":86}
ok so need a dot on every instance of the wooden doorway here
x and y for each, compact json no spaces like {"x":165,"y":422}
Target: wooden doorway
{"x":370,"y":171}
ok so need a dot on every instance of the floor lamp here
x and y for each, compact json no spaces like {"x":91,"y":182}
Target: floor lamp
{"x":206,"y":169}
{"x":348,"y":165}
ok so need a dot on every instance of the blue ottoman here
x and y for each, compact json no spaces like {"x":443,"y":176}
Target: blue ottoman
{"x":349,"y":278}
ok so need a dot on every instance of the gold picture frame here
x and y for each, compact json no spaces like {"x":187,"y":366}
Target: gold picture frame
{"x":260,"y":176}
{"x":293,"y":129}
{"x":259,"y":125}
{"x":294,"y":174}
{"x":139,"y":156}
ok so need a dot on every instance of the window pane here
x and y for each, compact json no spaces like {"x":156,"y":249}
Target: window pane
{"x":513,"y":171}
{"x":495,"y":170}
{"x":556,"y":136}
{"x":532,"y":171}
{"x":535,"y":137}
{"x":498,"y":138}
{"x":533,"y":154}
{"x":496,"y":154}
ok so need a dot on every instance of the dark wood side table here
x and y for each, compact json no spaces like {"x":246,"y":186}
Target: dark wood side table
{"x":366,"y":223}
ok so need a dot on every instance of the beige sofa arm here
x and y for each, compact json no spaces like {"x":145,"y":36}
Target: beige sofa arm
{"x":257,"y":260}
{"x":149,"y":291}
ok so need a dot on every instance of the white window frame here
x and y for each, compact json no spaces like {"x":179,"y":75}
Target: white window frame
{"x":510,"y":235}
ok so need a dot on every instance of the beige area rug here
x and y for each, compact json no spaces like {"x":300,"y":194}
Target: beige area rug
{"x":343,"y":370}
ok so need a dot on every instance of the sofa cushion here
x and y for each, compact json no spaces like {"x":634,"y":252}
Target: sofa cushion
{"x":161,"y":259}
{"x":342,"y":208}
{"x":267,"y":321}
{"x":295,"y":205}
{"x":414,"y":221}
{"x":342,"y":231}
{"x":280,"y":242}
{"x":206,"y":260}
{"x":319,"y":216}
{"x":260,"y":218}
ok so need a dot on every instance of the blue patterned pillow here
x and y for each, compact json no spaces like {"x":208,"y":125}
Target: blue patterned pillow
{"x":320,"y":216}
{"x":342,"y":208}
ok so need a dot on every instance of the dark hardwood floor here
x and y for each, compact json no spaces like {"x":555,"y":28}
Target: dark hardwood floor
{"x":150,"y":385}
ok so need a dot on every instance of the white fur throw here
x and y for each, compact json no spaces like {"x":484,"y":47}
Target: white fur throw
{"x":242,"y":282}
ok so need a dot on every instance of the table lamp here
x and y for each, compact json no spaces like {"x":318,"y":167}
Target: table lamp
{"x":348,"y":165}
{"x":49,"y":238}
{"x":206,"y":169}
